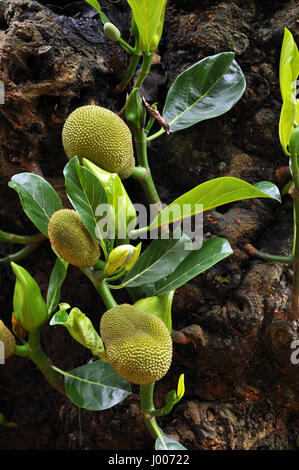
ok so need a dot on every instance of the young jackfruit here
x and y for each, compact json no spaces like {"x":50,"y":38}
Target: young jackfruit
{"x":102,"y":137}
{"x":138,"y":344}
{"x":8,"y":340}
{"x":71,"y":239}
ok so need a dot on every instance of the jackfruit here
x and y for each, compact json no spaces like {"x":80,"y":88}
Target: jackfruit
{"x":8,"y":340}
{"x":71,"y":239}
{"x":102,"y":137}
{"x":138,"y":344}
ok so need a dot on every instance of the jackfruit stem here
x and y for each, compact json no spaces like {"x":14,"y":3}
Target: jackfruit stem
{"x":145,"y":68}
{"x":20,"y":239}
{"x":294,"y":311}
{"x":145,"y":178}
{"x":19,"y":255}
{"x":43,"y":363}
{"x":134,"y":60}
{"x":147,"y":407}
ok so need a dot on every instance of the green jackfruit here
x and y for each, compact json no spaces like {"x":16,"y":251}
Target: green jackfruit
{"x":102,"y":137}
{"x":71,"y":239}
{"x":8,"y":339}
{"x":138,"y":344}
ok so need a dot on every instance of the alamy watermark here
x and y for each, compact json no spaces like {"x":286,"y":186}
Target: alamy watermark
{"x":295,"y":354}
{"x":174,"y":221}
{"x":2,"y":93}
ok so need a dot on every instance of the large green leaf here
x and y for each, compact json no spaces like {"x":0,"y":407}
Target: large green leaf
{"x":207,"y":89}
{"x":95,"y":386}
{"x":288,"y":74}
{"x":158,"y":260}
{"x":39,"y":200}
{"x":198,"y":261}
{"x":212,"y":194}
{"x":159,"y":305}
{"x":165,"y":443}
{"x":57,"y":277}
{"x":148,"y":15}
{"x":86,"y":194}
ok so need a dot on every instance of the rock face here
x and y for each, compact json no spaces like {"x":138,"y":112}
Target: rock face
{"x":241,"y":385}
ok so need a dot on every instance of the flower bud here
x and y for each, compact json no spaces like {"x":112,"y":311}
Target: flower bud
{"x":122,"y":257}
{"x":111,"y":31}
{"x":135,"y":111}
{"x":29,"y":306}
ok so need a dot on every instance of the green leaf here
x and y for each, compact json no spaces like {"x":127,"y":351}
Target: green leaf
{"x":159,"y":306}
{"x":86,"y":194}
{"x":96,"y":5}
{"x":165,"y":443}
{"x":207,"y":89}
{"x":148,"y":16}
{"x":39,"y":200}
{"x":57,"y":277}
{"x":211,"y":194}
{"x":95,"y":386}
{"x":211,"y":252}
{"x":123,"y":211}
{"x":288,"y":74}
{"x":158,"y":260}
{"x":81,"y":329}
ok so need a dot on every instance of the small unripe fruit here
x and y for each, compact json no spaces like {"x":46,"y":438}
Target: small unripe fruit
{"x":102,"y":137}
{"x":138,"y":345}
{"x":111,"y":31}
{"x":8,"y":340}
{"x":71,"y":239}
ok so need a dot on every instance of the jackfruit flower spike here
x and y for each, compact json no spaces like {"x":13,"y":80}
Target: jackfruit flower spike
{"x":8,"y":340}
{"x":100,"y":135}
{"x":71,"y":240}
{"x":29,"y":306}
{"x":122,"y":257}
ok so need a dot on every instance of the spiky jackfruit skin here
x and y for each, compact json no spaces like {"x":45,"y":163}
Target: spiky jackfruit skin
{"x":138,"y":344}
{"x":102,"y":137}
{"x":8,"y":339}
{"x":71,"y":239}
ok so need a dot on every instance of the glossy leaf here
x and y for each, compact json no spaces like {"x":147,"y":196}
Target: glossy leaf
{"x":198,"y":261}
{"x":158,"y":260}
{"x":148,"y":15}
{"x":165,"y":443}
{"x":159,"y":306}
{"x":39,"y":200}
{"x":85,"y":193}
{"x":288,"y":74}
{"x":211,"y":194}
{"x":122,"y":207}
{"x":96,"y":5}
{"x":57,"y":277}
{"x":207,"y":89}
{"x":95,"y":386}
